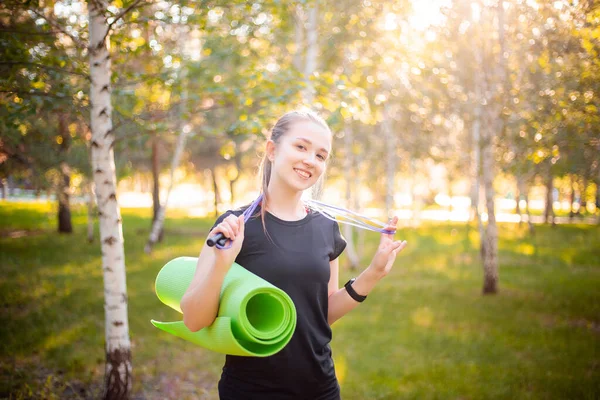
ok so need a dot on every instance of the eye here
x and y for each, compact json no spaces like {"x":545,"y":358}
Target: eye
{"x":301,"y":147}
{"x":321,"y":157}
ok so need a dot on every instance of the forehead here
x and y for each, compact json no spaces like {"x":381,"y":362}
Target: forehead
{"x":312,"y":131}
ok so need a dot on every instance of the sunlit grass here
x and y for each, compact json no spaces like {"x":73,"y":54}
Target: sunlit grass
{"x":425,"y":332}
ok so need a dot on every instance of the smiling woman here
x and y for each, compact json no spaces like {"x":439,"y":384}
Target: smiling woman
{"x":295,"y":247}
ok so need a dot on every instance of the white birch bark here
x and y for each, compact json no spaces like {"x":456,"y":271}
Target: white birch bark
{"x":390,"y":145}
{"x":490,"y":240}
{"x":90,"y":211}
{"x":494,"y":122}
{"x":476,"y":162}
{"x":357,"y":185}
{"x":159,"y":222}
{"x":348,"y":229}
{"x":476,"y":136}
{"x":312,"y":50}
{"x":299,"y":36}
{"x":118,"y":377}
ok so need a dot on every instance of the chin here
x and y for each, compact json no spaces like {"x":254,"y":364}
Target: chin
{"x":301,"y":186}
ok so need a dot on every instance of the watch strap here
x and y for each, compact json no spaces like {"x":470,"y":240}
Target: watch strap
{"x":357,"y":297}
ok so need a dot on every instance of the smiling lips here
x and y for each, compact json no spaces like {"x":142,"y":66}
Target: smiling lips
{"x":303,"y":174}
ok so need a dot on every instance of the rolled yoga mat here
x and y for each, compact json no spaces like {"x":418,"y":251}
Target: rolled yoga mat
{"x":255,"y":318}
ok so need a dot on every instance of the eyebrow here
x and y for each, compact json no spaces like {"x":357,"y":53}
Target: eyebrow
{"x":309,"y":142}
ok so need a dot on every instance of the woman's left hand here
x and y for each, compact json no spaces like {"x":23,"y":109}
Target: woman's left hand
{"x":384,"y":258}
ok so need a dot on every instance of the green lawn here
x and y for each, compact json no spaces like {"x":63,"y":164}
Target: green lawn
{"x":424,"y":333}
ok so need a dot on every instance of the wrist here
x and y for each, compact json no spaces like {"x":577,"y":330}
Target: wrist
{"x":221,"y":266}
{"x":366,"y":281}
{"x":374,"y":272}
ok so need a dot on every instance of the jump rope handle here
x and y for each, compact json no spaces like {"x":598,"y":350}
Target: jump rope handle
{"x":217,"y":238}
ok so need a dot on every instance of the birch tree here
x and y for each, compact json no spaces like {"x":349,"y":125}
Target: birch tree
{"x":118,"y":370}
{"x":493,"y":96}
{"x":312,"y":48}
{"x":348,"y":168}
{"x":158,"y":223}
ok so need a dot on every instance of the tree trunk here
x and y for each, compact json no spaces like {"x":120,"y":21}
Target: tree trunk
{"x":90,"y":212}
{"x":157,"y":226}
{"x":348,"y":231}
{"x":118,"y":370}
{"x":10,"y":185}
{"x":390,"y":142}
{"x":549,"y":209}
{"x":529,"y":222}
{"x":238,"y":167}
{"x":3,"y":188}
{"x":64,"y":184}
{"x":357,"y":186}
{"x":572,"y":198}
{"x":156,"y":185}
{"x":231,"y":188}
{"x":582,"y":196}
{"x":490,"y":240}
{"x":216,"y":190}
{"x":64,"y":208}
{"x":518,"y":198}
{"x":494,"y":122}
{"x":311,"y":53}
{"x":299,"y":36}
{"x":476,"y":170}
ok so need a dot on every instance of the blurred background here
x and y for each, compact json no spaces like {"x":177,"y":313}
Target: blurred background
{"x":475,"y":121}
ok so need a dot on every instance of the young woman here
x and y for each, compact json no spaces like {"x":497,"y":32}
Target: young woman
{"x":297,"y":250}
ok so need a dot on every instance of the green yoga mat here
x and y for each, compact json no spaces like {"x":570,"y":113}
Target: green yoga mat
{"x":255,"y":318}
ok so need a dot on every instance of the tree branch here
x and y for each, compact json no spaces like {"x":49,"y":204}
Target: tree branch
{"x":17,"y":32}
{"x":121,"y":15}
{"x":49,"y":67}
{"x":34,"y":93}
{"x":57,"y":26}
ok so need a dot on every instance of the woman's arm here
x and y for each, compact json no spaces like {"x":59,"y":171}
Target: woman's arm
{"x":200,"y":303}
{"x":340,"y":302}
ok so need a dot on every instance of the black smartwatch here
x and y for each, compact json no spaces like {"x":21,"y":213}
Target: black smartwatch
{"x":352,"y":293}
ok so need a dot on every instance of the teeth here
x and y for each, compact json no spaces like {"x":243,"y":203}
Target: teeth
{"x":302,"y":173}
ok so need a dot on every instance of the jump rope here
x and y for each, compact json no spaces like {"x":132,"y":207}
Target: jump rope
{"x":333,"y":213}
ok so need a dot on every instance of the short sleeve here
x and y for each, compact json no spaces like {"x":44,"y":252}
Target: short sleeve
{"x":221,"y":218}
{"x":339,"y":243}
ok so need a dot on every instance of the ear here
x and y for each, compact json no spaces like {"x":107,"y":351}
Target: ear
{"x":270,"y":150}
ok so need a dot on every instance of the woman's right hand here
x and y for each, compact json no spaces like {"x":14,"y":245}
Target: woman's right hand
{"x":232,"y":228}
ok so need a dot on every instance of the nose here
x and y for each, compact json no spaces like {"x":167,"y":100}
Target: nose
{"x":310,"y":160}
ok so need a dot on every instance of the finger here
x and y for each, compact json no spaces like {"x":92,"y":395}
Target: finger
{"x":391,"y":226}
{"x":242,"y":225}
{"x":233,"y":225}
{"x":387,"y":248}
{"x":401,"y":245}
{"x":225,"y":230}
{"x":231,"y":218}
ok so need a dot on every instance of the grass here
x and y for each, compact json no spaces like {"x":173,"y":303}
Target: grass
{"x":426,"y":332}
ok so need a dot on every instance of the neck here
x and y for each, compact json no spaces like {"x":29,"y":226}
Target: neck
{"x":284,"y":202}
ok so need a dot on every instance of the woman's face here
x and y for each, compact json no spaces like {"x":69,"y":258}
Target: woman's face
{"x":300,"y":157}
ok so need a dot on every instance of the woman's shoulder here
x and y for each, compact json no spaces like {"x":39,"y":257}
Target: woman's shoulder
{"x":236,"y":211}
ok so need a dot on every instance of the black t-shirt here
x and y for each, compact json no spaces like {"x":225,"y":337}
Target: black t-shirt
{"x":294,"y":256}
